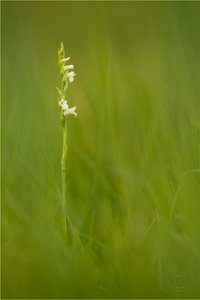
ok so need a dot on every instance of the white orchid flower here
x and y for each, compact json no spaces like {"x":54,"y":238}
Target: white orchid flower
{"x":66,"y":110}
{"x":71,"y":76}
{"x":68,"y":67}
{"x":70,"y":111}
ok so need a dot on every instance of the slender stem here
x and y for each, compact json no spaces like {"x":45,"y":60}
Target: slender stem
{"x":66,"y":223}
{"x":63,"y":165}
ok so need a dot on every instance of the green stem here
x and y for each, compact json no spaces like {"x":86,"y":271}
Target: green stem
{"x":66,"y":223}
{"x":63,"y":165}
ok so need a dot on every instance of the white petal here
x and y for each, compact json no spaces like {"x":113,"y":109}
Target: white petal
{"x":71,"y":74}
{"x":71,"y":79}
{"x":70,"y":111}
{"x":69,"y":67}
{"x":63,"y":104}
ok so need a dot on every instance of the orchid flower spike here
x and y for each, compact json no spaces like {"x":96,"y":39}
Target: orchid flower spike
{"x":67,"y":76}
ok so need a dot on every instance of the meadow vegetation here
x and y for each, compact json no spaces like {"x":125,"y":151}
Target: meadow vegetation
{"x":133,"y":166}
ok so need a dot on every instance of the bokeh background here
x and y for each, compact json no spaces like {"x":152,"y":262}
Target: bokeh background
{"x":134,"y":150}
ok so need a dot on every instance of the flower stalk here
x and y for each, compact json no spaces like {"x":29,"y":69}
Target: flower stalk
{"x":67,"y":76}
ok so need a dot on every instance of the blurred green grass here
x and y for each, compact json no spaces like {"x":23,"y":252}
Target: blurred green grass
{"x":134,"y":150}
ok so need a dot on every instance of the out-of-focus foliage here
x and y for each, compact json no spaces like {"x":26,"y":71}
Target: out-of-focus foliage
{"x":134,"y":150}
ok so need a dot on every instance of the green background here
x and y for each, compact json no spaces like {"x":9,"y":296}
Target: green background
{"x":133,"y":163}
